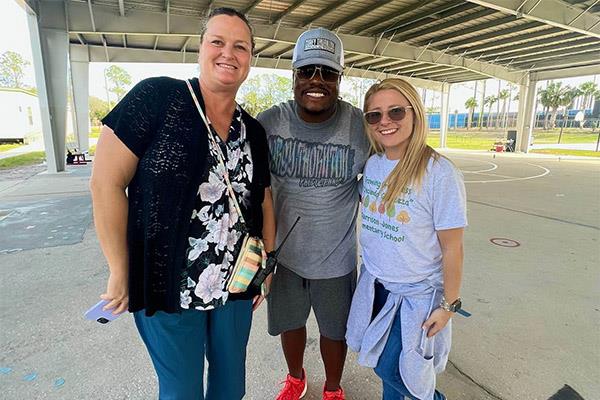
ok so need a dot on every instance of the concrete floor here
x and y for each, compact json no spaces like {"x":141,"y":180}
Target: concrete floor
{"x":535,"y":325}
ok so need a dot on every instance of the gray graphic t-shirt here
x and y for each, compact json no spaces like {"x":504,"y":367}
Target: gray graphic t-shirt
{"x":399,"y":241}
{"x":314,"y":169}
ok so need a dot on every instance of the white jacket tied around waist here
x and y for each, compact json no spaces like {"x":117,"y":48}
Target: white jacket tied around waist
{"x":421,"y":357}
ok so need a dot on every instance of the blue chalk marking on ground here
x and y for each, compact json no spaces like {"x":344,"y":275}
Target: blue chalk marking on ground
{"x":5,"y":370}
{"x":30,"y":377}
{"x":59,"y":382}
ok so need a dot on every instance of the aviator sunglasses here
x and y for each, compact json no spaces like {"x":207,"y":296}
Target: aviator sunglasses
{"x":395,"y":114}
{"x":308,"y":72}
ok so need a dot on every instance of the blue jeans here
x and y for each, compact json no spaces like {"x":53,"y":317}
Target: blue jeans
{"x":178,"y":343}
{"x":387,"y":367}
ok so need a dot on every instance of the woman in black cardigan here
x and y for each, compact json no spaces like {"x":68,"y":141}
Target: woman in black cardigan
{"x":165,"y":222}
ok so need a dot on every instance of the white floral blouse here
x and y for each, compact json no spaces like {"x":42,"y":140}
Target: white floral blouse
{"x":216,"y":233}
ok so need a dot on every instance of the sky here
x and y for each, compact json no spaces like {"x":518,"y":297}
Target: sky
{"x":14,"y":36}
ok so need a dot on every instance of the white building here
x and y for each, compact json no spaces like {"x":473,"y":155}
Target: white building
{"x":21,"y":120}
{"x":20,"y":115}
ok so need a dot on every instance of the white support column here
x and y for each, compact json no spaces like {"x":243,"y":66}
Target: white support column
{"x":444,"y":114}
{"x":49,"y":45}
{"x":526,"y":115}
{"x":80,"y":85}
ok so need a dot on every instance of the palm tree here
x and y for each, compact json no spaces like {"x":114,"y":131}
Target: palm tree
{"x":489,"y":101}
{"x":511,"y":87}
{"x":588,"y":90}
{"x":471,"y":105}
{"x":552,"y":97}
{"x":503,"y":95}
{"x":481,"y":109}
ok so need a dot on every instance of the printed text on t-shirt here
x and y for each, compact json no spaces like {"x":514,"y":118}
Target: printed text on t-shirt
{"x":314,"y":164}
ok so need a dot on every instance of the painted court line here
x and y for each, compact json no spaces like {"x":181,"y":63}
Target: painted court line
{"x":545,"y":172}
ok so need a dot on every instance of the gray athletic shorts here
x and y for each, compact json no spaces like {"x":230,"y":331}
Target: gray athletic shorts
{"x":292,"y":296}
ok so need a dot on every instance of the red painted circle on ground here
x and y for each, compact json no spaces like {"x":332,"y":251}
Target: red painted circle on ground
{"x":504,"y":242}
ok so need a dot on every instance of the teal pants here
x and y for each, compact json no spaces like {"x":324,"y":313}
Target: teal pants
{"x":179,"y":343}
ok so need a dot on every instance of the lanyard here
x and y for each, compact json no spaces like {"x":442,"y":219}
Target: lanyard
{"x":220,"y":157}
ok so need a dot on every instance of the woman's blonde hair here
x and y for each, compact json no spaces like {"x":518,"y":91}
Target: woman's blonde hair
{"x":411,"y":168}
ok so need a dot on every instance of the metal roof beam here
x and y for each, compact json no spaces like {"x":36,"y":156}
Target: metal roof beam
{"x":442,"y":74}
{"x":359,"y":13}
{"x":118,"y":54}
{"x":404,"y":64}
{"x":448,"y":5}
{"x":122,"y":8}
{"x":395,"y":64}
{"x":354,"y":58}
{"x":105,"y":46}
{"x":446,"y":25}
{"x":89,"y":2}
{"x":566,"y":73}
{"x":288,"y":11}
{"x":552,"y":12}
{"x":371,"y":25}
{"x":146,"y":23}
{"x":423,"y":68}
{"x":81,"y":39}
{"x":496,"y":34}
{"x":265,"y":47}
{"x":168,"y":11}
{"x":184,"y":46}
{"x":595,"y":48}
{"x":540,"y":49}
{"x":562,"y":62}
{"x":528,"y":37}
{"x":326,"y":10}
{"x":250,"y":6}
{"x":471,"y":29}
{"x":518,"y":47}
{"x":367,"y":61}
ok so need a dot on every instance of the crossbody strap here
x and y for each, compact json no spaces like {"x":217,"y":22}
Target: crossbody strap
{"x":221,"y":157}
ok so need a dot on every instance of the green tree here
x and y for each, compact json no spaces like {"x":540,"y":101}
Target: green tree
{"x":588,"y":91}
{"x":98,"y":108}
{"x":471,"y":105}
{"x":503,"y":95}
{"x":119,"y":79}
{"x":490,"y":101}
{"x":552,"y":97}
{"x":263,"y":91}
{"x":353,"y":89}
{"x":12,"y":69}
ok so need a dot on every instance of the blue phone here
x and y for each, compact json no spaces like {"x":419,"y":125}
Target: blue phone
{"x":96,"y":313}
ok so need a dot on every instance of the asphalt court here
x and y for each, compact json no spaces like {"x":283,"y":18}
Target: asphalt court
{"x":532,"y":263}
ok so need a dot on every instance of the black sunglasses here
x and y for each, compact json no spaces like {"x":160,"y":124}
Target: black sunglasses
{"x":395,"y":114}
{"x":308,"y":72}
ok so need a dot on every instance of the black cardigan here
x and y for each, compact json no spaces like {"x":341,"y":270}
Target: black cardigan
{"x":159,"y":123}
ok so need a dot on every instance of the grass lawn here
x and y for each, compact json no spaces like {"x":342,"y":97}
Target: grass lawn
{"x":92,"y":150}
{"x":475,"y":139}
{"x":467,"y":141}
{"x":36,"y":157}
{"x":566,"y":152}
{"x":568,"y":136}
{"x":5,"y":147}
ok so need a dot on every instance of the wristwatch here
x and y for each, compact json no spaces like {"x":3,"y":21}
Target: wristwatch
{"x":452,"y":307}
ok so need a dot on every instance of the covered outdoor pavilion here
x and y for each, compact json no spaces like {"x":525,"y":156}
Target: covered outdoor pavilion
{"x":433,"y":43}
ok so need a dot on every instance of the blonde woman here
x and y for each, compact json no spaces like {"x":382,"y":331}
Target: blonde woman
{"x":413,"y":217}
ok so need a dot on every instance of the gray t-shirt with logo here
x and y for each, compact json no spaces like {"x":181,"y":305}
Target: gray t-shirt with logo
{"x":399,"y":241}
{"x":314,"y":169}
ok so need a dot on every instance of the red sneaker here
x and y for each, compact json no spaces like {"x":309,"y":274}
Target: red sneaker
{"x":294,"y":388}
{"x":335,"y":395}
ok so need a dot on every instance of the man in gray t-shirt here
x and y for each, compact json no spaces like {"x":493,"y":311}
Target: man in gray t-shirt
{"x":318,"y":147}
